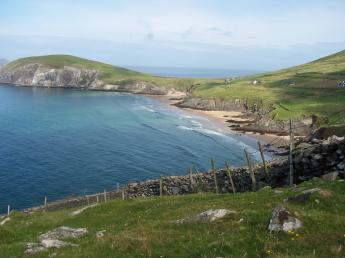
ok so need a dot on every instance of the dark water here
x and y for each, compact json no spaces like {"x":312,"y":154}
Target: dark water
{"x":59,"y":142}
{"x":193,"y":72}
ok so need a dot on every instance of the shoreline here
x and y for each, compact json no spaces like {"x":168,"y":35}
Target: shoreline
{"x":221,"y":118}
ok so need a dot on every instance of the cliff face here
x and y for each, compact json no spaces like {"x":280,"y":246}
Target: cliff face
{"x":35,"y":74}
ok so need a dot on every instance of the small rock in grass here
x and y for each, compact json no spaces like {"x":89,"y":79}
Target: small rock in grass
{"x":100,"y":234}
{"x":63,"y":232}
{"x":206,"y":216}
{"x":330,"y":176}
{"x":282,"y":220}
{"x":302,"y":197}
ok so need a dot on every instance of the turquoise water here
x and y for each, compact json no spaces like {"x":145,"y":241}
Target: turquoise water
{"x":63,"y":142}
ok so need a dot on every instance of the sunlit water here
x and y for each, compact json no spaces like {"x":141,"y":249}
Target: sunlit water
{"x":63,"y":142}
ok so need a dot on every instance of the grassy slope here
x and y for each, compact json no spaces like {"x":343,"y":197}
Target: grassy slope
{"x":315,"y":92}
{"x":109,"y":73}
{"x":142,"y":228}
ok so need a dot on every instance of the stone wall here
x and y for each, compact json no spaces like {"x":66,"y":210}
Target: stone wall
{"x":310,"y":160}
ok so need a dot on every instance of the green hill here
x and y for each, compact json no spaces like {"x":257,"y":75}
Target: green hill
{"x":142,"y":227}
{"x":295,"y":92}
{"x":108,"y":73}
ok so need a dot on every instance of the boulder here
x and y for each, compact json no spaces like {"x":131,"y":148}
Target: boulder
{"x":302,"y":197}
{"x":63,"y":232}
{"x":330,"y":176}
{"x":52,"y":239}
{"x":206,"y":216}
{"x":282,"y":220}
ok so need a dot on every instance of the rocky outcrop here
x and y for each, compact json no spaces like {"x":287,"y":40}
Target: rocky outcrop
{"x":206,"y":216}
{"x":51,"y":239}
{"x":35,"y":74}
{"x":282,"y":220}
{"x":260,"y":117}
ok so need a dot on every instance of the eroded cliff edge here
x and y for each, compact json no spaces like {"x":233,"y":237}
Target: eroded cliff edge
{"x":35,"y":74}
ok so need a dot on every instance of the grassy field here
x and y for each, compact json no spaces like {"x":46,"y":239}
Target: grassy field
{"x":143,"y":228}
{"x":293,"y":93}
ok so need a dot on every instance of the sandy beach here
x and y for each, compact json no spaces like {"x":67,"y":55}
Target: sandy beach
{"x":222,"y":118}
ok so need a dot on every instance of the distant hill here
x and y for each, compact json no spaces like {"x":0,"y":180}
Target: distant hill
{"x":295,"y":92}
{"x":62,"y":71}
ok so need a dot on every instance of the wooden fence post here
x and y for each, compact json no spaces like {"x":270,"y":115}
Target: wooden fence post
{"x":45,"y":201}
{"x":191,"y":179}
{"x":263,"y":158}
{"x":214,"y":172}
{"x":251,"y":170}
{"x":228,"y":169}
{"x":160,"y":186}
{"x":123,"y":194}
{"x":8,"y":210}
{"x":290,"y":155}
{"x":105,"y":196}
{"x":97,"y":198}
{"x":87,"y":199}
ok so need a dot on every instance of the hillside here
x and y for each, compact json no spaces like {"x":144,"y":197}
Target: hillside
{"x":143,"y":227}
{"x":108,"y":74}
{"x":295,"y":92}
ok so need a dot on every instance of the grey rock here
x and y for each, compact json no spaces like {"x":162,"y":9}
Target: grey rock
{"x":282,"y":220}
{"x":330,"y":176}
{"x":64,"y":232}
{"x":100,"y":234}
{"x":206,"y":216}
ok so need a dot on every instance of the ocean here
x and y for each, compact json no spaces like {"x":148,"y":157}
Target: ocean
{"x":64,"y":142}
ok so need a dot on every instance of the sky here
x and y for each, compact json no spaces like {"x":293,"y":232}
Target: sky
{"x":246,"y":34}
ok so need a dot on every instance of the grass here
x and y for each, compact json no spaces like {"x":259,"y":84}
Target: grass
{"x":143,"y":228}
{"x":296,"y":92}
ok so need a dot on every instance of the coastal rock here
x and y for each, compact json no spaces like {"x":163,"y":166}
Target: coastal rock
{"x":52,"y":239}
{"x":63,"y":232}
{"x":330,"y":176}
{"x":302,"y":197}
{"x":282,"y":220}
{"x":206,"y":216}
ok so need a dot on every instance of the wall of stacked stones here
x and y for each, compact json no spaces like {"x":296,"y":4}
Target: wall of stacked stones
{"x":309,"y":159}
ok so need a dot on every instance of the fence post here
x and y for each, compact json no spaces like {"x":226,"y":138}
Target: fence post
{"x":97,"y":198}
{"x":88,"y":201}
{"x":290,"y":155}
{"x":263,"y":159}
{"x":117,"y":186}
{"x":45,"y":201}
{"x":214,"y":172}
{"x":251,"y":170}
{"x":191,"y":179}
{"x":160,"y":186}
{"x":123,"y":194}
{"x":105,"y":196}
{"x":228,"y":169}
{"x":8,"y":210}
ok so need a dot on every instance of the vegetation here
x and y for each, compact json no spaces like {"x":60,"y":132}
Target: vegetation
{"x":142,"y":227}
{"x":296,"y":92}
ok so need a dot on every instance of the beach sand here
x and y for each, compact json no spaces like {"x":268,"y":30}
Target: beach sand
{"x":221,"y":119}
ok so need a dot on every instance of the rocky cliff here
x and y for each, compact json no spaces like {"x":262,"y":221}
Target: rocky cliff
{"x":35,"y":74}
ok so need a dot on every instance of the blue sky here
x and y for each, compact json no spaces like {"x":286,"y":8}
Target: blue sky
{"x":246,"y":34}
